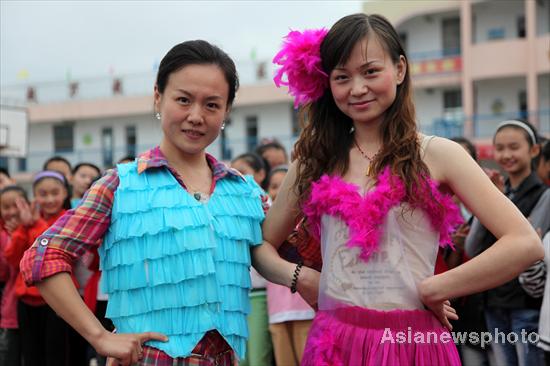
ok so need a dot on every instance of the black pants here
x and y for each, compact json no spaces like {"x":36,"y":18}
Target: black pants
{"x":44,"y":336}
{"x":10,"y":351}
{"x":78,"y":349}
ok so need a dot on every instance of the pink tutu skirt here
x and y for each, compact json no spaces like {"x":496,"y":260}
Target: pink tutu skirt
{"x":354,"y":336}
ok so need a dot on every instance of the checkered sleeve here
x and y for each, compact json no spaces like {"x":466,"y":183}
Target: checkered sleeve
{"x":73,"y":234}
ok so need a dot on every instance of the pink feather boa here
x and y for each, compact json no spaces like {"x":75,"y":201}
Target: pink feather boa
{"x":365,"y":216}
{"x":300,"y":60}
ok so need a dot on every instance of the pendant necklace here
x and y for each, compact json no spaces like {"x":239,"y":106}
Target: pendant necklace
{"x":369,"y":159}
{"x":196,"y":193}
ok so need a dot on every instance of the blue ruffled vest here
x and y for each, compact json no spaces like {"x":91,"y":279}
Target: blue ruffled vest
{"x":177,"y":266}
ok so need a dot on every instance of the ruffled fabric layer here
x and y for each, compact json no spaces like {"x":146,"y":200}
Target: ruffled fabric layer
{"x":177,"y":266}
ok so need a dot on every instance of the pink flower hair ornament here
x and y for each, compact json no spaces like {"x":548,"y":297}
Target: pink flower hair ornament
{"x":300,"y":60}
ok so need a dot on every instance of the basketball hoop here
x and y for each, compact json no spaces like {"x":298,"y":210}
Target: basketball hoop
{"x":14,"y":129}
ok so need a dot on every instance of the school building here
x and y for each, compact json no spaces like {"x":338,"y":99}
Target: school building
{"x":473,"y":63}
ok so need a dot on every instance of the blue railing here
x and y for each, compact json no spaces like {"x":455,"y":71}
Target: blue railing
{"x":445,"y":127}
{"x":484,"y":124}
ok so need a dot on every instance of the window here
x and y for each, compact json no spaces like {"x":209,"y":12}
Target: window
{"x":451,"y":122}
{"x":107,"y":147}
{"x":226,"y":152}
{"x":452,"y":99}
{"x":251,"y":132}
{"x":451,"y":36}
{"x":63,"y":137}
{"x":295,"y":121}
{"x":22,"y":164}
{"x":474,"y":29}
{"x":522,"y":101}
{"x":131,"y":140}
{"x":520,"y":24}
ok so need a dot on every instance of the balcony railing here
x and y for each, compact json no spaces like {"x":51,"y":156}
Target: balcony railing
{"x":484,"y":124}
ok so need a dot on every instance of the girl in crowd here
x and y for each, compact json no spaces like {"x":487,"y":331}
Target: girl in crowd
{"x":174,"y":230}
{"x":59,"y":164}
{"x":10,"y":345}
{"x":83,"y":175}
{"x":275,"y":179}
{"x":289,"y":315}
{"x":509,"y":307}
{"x":375,"y":191}
{"x":259,"y":349}
{"x":273,"y":152}
{"x":44,"y":336}
{"x":254,"y":165}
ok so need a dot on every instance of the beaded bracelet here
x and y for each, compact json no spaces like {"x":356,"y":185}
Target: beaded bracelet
{"x":295,"y":277}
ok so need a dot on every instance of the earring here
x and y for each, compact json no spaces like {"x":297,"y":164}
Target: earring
{"x":157,"y":115}
{"x":223,"y":125}
{"x":351,"y":130}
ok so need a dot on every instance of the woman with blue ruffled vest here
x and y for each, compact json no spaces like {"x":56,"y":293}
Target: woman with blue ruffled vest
{"x":173,"y":229}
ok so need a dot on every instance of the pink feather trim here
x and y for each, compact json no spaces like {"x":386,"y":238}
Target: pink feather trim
{"x":444,"y":214}
{"x":300,"y":60}
{"x":365,"y":216}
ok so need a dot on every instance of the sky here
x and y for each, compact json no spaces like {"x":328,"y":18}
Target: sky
{"x":42,"y":41}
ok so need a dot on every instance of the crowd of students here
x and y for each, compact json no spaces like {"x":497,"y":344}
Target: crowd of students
{"x":279,"y":321}
{"x":30,"y":329}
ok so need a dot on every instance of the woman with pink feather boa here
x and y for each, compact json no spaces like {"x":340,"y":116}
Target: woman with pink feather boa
{"x":376,"y":193}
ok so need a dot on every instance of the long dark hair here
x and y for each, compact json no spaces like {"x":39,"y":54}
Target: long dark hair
{"x":325,"y":141}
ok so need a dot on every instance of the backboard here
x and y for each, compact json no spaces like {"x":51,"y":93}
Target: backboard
{"x":14,"y":131}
